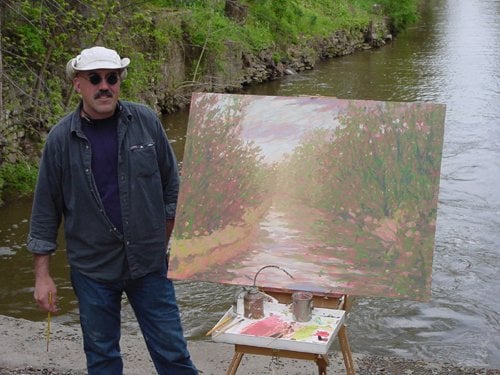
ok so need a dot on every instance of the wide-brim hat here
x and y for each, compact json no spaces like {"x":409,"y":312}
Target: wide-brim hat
{"x":95,"y":58}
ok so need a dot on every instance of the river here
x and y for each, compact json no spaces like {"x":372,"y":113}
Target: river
{"x":451,"y":56}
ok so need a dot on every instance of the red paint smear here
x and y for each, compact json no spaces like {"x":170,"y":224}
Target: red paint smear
{"x":270,"y":326}
{"x":322,"y":334}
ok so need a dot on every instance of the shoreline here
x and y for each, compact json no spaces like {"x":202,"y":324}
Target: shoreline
{"x":24,"y":351}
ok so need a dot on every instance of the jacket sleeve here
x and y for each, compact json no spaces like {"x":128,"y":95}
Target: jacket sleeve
{"x":47,"y":203}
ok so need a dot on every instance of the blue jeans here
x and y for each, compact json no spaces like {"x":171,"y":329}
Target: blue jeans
{"x":153,"y":299}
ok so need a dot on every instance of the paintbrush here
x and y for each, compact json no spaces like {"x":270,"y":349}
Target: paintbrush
{"x":227,"y":327}
{"x":48,"y":322}
{"x":221,"y":324}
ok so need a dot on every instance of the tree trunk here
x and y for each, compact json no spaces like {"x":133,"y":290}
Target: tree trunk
{"x":2,"y":11}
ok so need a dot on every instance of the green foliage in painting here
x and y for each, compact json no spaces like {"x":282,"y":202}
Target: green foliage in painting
{"x":378,"y":171}
{"x":232,"y":177}
{"x":375,"y":160}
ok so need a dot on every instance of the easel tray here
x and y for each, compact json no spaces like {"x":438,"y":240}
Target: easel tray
{"x":278,"y":330}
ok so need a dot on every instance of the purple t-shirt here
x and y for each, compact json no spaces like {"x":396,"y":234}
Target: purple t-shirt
{"x":103,"y":138}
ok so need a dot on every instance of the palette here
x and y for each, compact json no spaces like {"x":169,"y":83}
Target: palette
{"x":278,"y":330}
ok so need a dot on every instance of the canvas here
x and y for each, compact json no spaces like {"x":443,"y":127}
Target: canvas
{"x":340,"y":194}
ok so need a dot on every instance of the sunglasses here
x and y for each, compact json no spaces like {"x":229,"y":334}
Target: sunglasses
{"x":95,"y":79}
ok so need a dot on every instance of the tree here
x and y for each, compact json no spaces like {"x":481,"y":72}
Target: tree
{"x":2,"y":12}
{"x":2,"y":112}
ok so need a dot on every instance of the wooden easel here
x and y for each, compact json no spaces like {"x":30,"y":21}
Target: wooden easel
{"x":331,"y":301}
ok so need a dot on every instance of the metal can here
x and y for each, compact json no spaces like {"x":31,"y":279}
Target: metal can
{"x":253,"y":304}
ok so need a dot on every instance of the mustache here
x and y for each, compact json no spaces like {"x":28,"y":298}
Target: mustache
{"x":103,"y":93}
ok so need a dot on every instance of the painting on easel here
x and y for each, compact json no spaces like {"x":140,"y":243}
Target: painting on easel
{"x":340,"y":193}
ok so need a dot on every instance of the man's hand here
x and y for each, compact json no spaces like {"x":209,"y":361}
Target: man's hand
{"x":45,"y":289}
{"x":46,"y":295}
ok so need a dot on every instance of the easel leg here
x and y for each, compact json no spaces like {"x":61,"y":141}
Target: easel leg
{"x":322,"y":362}
{"x":346,"y":351}
{"x":235,"y":362}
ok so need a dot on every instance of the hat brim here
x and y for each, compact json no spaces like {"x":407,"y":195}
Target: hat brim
{"x":96,"y":65}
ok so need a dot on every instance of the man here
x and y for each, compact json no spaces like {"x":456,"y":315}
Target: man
{"x":108,"y":170}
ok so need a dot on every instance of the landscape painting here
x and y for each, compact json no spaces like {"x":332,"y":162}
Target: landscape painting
{"x":338,"y":196}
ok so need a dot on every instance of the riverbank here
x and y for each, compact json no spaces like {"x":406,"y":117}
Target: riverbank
{"x":242,"y":43}
{"x":24,"y":351}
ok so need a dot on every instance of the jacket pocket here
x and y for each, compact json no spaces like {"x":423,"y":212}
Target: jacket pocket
{"x":143,"y":159}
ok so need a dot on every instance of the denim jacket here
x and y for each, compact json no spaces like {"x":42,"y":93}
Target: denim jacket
{"x":148,"y":186}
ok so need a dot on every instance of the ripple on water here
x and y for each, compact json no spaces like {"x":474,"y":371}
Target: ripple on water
{"x":6,"y":251}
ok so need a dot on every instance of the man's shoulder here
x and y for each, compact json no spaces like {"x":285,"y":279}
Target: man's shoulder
{"x":137,"y":108}
{"x":62,"y":126}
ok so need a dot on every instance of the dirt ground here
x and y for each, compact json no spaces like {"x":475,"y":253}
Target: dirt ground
{"x":23,"y":350}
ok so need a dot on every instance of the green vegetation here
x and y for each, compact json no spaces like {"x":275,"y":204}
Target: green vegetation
{"x":401,"y":12}
{"x":17,"y":179}
{"x":176,"y":47}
